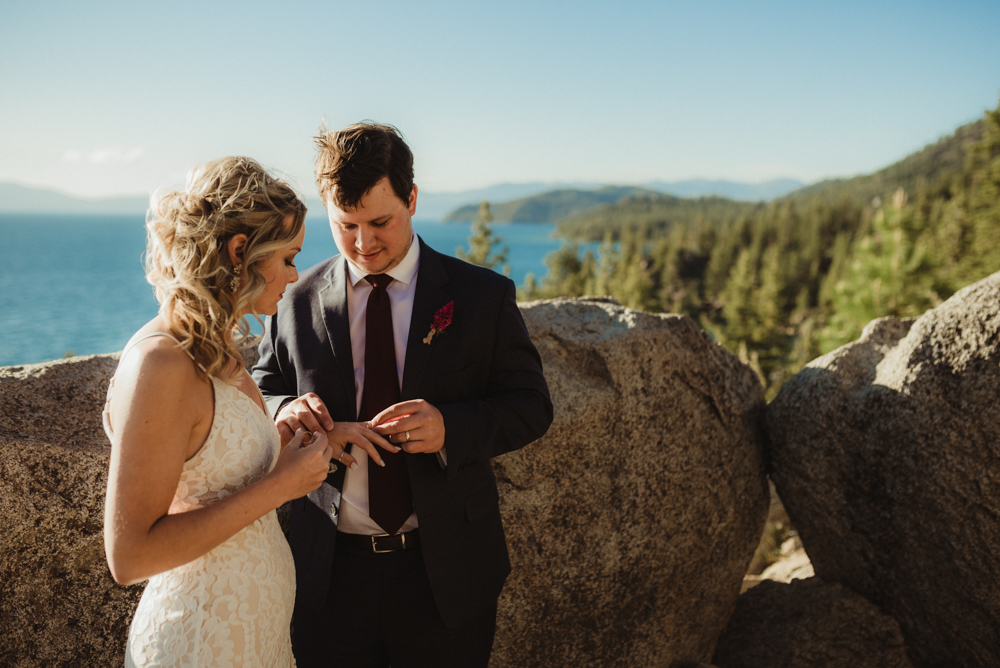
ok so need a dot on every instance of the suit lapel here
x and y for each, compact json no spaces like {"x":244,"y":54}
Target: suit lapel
{"x":429,"y":297}
{"x":333,"y":301}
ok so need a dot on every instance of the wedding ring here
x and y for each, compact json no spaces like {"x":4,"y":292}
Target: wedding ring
{"x":407,"y":437}
{"x":341,"y":456}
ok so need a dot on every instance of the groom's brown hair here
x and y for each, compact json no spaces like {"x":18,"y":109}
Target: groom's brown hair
{"x":351,"y":161}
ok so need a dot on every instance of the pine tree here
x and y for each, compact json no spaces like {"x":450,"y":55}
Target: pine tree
{"x":606,"y":266}
{"x":529,"y":290}
{"x":482,"y":241}
{"x":737,"y":298}
{"x":974,"y":216}
{"x":631,"y":283}
{"x":564,"y":278}
{"x":889,"y":273}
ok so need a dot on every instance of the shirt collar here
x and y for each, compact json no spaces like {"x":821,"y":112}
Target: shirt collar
{"x":404,"y":272}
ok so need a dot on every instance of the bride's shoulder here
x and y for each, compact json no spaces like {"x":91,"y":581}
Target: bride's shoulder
{"x":156,"y":380}
{"x":153,"y":359}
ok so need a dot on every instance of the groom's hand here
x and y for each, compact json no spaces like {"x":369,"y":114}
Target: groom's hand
{"x":308,"y":413}
{"x":415,"y":426}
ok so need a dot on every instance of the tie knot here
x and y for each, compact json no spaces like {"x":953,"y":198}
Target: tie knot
{"x":379,"y":281}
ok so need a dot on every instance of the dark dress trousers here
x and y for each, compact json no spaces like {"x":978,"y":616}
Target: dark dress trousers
{"x":484,"y":375}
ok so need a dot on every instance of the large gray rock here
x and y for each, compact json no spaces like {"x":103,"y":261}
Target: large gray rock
{"x":632,"y":522}
{"x":886,"y":453}
{"x":58,"y":603}
{"x":809,"y":624}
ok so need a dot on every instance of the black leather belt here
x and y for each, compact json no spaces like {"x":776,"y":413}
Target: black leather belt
{"x":382,"y":542}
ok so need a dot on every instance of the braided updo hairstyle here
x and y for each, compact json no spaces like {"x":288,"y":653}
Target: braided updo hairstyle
{"x":188,"y":264}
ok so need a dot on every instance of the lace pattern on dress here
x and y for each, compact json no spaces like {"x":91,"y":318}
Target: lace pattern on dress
{"x":233,"y":605}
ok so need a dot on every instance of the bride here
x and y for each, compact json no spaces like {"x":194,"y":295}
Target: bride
{"x":197,"y":466}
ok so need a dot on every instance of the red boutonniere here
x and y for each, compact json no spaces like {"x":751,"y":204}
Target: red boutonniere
{"x":441,"y":321}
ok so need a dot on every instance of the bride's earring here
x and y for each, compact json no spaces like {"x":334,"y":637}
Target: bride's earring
{"x":234,"y":282}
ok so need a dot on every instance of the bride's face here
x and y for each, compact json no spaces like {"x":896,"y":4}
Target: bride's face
{"x":279,"y":270}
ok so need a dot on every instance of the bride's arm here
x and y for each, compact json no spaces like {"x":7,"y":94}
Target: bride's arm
{"x":158,"y":401}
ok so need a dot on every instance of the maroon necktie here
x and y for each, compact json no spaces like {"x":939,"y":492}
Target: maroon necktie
{"x":389,"y":501}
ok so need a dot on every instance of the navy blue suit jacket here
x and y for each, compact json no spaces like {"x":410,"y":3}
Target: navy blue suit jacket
{"x":483,"y":374}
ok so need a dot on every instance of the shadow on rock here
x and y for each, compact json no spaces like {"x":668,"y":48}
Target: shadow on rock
{"x":886,"y":453}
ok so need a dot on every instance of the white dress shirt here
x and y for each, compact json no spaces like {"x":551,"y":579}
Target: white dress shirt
{"x":354,"y":509}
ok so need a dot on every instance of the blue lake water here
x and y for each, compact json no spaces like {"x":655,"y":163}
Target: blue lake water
{"x":75,"y":283}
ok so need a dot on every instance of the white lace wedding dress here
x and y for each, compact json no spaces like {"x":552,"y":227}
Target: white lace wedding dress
{"x":233,"y":605}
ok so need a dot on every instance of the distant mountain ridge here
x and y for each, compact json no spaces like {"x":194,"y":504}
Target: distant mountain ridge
{"x":657,"y":213}
{"x":735,"y":190}
{"x":436,"y":206}
{"x":556,"y":204}
{"x":933,"y":170}
{"x":548,"y":206}
{"x":17,"y":198}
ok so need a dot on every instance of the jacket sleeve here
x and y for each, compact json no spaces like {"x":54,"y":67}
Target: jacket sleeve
{"x":516,"y":408}
{"x":273,"y":373}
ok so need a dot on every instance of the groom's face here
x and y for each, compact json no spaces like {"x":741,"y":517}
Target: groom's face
{"x":375,"y":236}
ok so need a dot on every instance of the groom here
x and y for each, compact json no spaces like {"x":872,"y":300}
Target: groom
{"x":399,"y":565}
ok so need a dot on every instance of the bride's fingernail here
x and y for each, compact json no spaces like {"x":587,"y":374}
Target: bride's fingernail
{"x":381,"y":463}
{"x":354,"y":466}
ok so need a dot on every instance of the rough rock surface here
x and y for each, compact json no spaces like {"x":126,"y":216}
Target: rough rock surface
{"x":809,"y":624}
{"x":886,"y":453}
{"x":58,"y":603}
{"x":632,"y":522}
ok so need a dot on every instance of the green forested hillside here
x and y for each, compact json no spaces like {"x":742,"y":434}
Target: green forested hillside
{"x":929,"y":172}
{"x":547,"y":207}
{"x":656,"y":214}
{"x":930,"y":169}
{"x":782,"y":283}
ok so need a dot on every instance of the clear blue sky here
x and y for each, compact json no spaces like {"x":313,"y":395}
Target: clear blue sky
{"x":105,"y":98}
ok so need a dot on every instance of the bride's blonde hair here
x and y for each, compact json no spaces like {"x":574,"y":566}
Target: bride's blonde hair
{"x":187,"y":259}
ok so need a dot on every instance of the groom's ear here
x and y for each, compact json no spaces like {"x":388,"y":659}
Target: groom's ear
{"x":412,"y":204}
{"x":235,"y":247}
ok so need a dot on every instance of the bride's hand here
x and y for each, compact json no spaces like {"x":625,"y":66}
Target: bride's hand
{"x":358,"y":433}
{"x":302,"y":468}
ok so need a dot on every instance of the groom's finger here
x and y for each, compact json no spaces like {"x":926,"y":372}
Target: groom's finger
{"x":396,"y":430}
{"x":307,"y":418}
{"x":425,"y":437}
{"x":414,"y":446}
{"x":306,"y":412}
{"x":396,"y":427}
{"x":407,"y":437}
{"x":285,"y":432}
{"x":398,"y":410}
{"x":318,"y":408}
{"x":412,"y":415}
